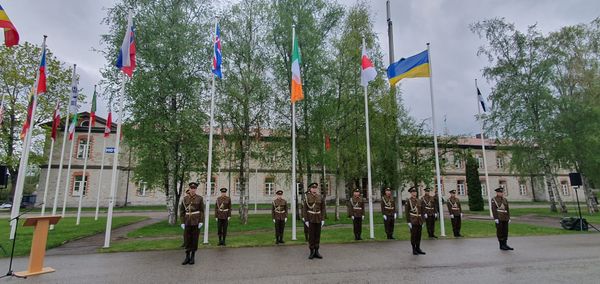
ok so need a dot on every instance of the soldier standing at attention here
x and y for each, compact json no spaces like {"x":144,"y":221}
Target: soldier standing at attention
{"x":501,"y":217}
{"x":388,"y":210}
{"x":279,"y":213}
{"x":455,"y":213}
{"x":430,"y":212}
{"x":414,"y":220}
{"x":192,"y":214}
{"x":223,"y":214}
{"x":356,"y":211}
{"x":314,"y":219}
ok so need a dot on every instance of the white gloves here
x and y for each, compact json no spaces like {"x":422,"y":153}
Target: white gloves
{"x":363,"y":217}
{"x":228,"y":218}
{"x":409,"y":225}
{"x":273,"y":221}
{"x":384,"y":217}
{"x":183,"y":226}
{"x":461,"y":215}
{"x":451,"y":216}
{"x":508,"y":220}
{"x":496,"y":220}
{"x":216,"y":219}
{"x":436,"y":215}
{"x":322,"y":223}
{"x":200,"y":225}
{"x":425,"y":216}
{"x":352,"y":217}
{"x":306,"y":223}
{"x":395,"y":215}
{"x":285,"y":220}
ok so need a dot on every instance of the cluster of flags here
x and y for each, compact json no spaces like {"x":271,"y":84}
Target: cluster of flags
{"x":11,"y":36}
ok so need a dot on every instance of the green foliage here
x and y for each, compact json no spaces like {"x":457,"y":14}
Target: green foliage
{"x":473,"y":184}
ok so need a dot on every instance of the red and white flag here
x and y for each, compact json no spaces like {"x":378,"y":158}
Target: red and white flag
{"x":55,"y":121}
{"x":108,"y":125}
{"x":368,"y":72}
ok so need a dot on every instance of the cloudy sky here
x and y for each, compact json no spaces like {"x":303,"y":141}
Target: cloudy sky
{"x":73,"y":28}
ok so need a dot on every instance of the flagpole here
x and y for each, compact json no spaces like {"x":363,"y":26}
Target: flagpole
{"x":115,"y":165}
{"x":62,"y":151}
{"x":100,"y":179}
{"x":485,"y":169}
{"x":49,"y":167}
{"x":370,"y":187}
{"x":294,"y":188}
{"x":85,"y":160}
{"x":209,"y":166}
{"x":25,"y":155}
{"x":435,"y":146}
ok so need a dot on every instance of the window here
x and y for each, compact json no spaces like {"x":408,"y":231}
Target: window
{"x":236,"y":187}
{"x":460,"y":187}
{"x":500,"y":162}
{"x":212,"y":187}
{"x":522,"y":188}
{"x":480,"y":162}
{"x":458,"y":163}
{"x":79,"y":183}
{"x":82,"y":146}
{"x":142,"y":189}
{"x":483,"y":188}
{"x":269,"y":186}
{"x":436,"y":185}
{"x":565,"y":187}
{"x":502,"y":184}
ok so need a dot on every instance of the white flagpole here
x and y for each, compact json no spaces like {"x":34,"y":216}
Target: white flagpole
{"x":100,"y":179}
{"x":24,"y":156}
{"x":115,"y":165}
{"x":48,"y":171}
{"x":293,"y":179}
{"x":435,"y":146}
{"x":485,"y":169}
{"x":62,"y":151}
{"x":85,"y":160}
{"x":370,"y":187}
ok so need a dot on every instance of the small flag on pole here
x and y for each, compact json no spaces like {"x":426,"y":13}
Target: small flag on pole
{"x":72,"y":127}
{"x":126,"y":58}
{"x":1,"y":112}
{"x":27,"y":123}
{"x":217,"y":59}
{"x":55,"y":121}
{"x":11,"y":36}
{"x":327,"y":142}
{"x":368,"y":72}
{"x":481,"y":100}
{"x":297,"y":94}
{"x":108,"y":125}
{"x":93,"y":109}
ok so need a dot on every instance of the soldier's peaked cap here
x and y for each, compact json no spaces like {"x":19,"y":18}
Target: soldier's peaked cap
{"x":223,"y":189}
{"x":193,"y":184}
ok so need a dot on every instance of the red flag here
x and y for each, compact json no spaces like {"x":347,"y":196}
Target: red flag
{"x":27,"y":123}
{"x":55,"y":121}
{"x":108,"y":125}
{"x":11,"y":36}
{"x":327,"y":142}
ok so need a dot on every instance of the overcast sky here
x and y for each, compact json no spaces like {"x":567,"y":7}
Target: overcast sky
{"x":73,"y":28}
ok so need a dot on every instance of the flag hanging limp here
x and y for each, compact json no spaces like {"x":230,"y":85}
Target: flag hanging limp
{"x":297,"y":94}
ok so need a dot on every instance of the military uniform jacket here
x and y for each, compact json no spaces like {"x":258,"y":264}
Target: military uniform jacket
{"x":313,"y":210}
{"x":454,"y":206}
{"x":388,"y":207}
{"x":429,"y":205}
{"x":356,"y":207}
{"x":413,"y":211}
{"x":500,"y":208}
{"x":279,"y":211}
{"x":223,"y":207}
{"x":192,"y":210}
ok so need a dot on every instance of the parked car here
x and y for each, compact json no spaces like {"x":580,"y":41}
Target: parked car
{"x":5,"y":206}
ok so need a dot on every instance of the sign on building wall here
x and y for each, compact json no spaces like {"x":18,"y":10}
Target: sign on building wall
{"x":110,"y":150}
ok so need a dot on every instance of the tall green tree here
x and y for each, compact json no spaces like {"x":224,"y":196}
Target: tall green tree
{"x":473,"y":183}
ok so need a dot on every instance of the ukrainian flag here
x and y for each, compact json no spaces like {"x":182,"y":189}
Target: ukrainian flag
{"x":412,"y":67}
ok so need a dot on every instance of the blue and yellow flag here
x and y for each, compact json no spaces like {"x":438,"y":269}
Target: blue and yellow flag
{"x":412,"y":67}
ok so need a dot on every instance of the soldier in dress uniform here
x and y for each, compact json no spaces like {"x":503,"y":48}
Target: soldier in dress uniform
{"x":430,"y":212}
{"x":223,"y":214}
{"x":356,"y":211}
{"x":501,"y":217}
{"x":192,"y":216}
{"x":455,"y":213}
{"x":279,"y":212}
{"x":415,"y":221}
{"x":314,"y":218}
{"x":388,"y":210}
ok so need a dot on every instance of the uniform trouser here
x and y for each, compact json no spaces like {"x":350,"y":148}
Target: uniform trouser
{"x":357,"y":226}
{"x":314,"y":235}
{"x":222,"y":227}
{"x":279,"y":226}
{"x":430,"y":223}
{"x":415,"y":235}
{"x":190,"y":238}
{"x":456,"y":224}
{"x":389,"y":225}
{"x":502,"y":230}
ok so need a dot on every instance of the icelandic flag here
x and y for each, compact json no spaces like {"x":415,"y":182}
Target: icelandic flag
{"x":126,"y":58}
{"x":481,"y":101}
{"x":217,"y":60}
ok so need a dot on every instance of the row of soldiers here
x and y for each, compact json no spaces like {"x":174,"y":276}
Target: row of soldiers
{"x":419,"y":212}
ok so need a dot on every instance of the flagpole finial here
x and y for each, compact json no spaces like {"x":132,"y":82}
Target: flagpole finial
{"x":427,"y":44}
{"x":45,"y":36}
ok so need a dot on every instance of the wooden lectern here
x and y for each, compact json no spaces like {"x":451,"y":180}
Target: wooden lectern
{"x":38,"y":244}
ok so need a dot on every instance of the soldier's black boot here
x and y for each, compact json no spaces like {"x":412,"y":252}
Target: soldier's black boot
{"x":192,"y":260}
{"x":419,"y":251}
{"x":312,"y":254}
{"x":281,"y":240}
{"x":415,"y":250}
{"x":187,"y":258}
{"x":223,"y":241}
{"x":317,"y":254}
{"x":506,"y":246}
{"x":502,"y":246}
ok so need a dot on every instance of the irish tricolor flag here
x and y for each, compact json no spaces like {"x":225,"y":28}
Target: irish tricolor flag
{"x":296,"y":79}
{"x":72,"y":127}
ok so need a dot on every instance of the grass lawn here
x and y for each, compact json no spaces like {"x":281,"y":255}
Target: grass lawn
{"x":259,"y":232}
{"x":63,"y":232}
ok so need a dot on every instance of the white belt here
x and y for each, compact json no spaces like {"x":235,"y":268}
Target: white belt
{"x":500,"y":210}
{"x":357,"y":208}
{"x":388,"y":207}
{"x":192,"y":213}
{"x":314,"y":212}
{"x":455,"y":209}
{"x":428,"y":208}
{"x":416,"y":215}
{"x":223,"y":210}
